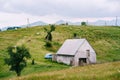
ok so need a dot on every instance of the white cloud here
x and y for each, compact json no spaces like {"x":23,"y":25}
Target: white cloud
{"x":10,"y":19}
{"x":73,"y":8}
{"x":16,"y":11}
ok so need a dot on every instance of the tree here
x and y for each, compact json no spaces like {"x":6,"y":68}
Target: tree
{"x":83,"y":23}
{"x":67,"y":23}
{"x":17,"y":58}
{"x":75,"y":36}
{"x":49,"y":35}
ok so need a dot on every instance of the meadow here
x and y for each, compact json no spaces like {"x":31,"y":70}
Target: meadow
{"x":105,"y":41}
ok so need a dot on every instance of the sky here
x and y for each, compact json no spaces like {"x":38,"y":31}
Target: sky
{"x":16,"y":12}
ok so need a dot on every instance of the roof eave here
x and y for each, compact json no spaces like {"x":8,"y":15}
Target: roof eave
{"x":65,"y":55}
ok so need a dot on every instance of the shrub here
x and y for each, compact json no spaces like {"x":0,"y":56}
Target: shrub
{"x":83,"y":23}
{"x":48,"y":44}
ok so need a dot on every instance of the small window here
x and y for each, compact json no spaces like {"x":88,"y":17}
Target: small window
{"x":88,"y":53}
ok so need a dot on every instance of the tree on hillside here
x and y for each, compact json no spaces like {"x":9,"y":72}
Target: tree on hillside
{"x":17,"y":58}
{"x":49,"y":35}
{"x":75,"y":36}
{"x":83,"y":24}
{"x":67,"y":23}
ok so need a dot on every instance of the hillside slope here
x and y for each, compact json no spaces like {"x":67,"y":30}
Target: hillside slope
{"x":105,"y":41}
{"x":106,"y":71}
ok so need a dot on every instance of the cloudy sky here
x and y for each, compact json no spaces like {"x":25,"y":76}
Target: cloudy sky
{"x":16,"y":12}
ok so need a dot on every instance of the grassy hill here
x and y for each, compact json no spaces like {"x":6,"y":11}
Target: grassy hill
{"x":106,"y":71}
{"x":105,"y":41}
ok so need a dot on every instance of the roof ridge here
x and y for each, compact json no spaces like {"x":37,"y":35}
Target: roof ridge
{"x":76,"y":39}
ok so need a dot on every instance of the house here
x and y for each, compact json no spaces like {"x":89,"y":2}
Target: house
{"x":76,"y":52}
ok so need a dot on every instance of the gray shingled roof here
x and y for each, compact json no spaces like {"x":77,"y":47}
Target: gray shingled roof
{"x":70,"y":46}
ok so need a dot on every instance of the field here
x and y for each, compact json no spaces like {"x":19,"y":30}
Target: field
{"x":105,"y":41}
{"x":106,"y":71}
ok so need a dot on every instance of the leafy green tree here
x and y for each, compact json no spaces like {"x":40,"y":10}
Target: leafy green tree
{"x":83,"y":23}
{"x":17,"y":58}
{"x":74,"y":35}
{"x":49,"y":35}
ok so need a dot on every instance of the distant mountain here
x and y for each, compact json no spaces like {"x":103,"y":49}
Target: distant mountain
{"x":77,"y":23}
{"x":69,"y":23}
{"x":97,"y":23}
{"x":10,"y":28}
{"x":60,"y":22}
{"x":107,"y":23}
{"x":113,"y":22}
{"x":38,"y":23}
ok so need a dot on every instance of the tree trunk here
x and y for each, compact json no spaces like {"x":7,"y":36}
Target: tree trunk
{"x":18,"y":74}
{"x":18,"y":71}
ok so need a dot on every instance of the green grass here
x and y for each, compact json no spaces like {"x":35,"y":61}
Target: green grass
{"x":105,"y":41}
{"x":106,"y":71}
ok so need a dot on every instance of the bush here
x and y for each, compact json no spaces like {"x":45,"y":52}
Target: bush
{"x":83,"y":23}
{"x":48,"y":44}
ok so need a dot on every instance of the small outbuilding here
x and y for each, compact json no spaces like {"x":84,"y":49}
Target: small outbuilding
{"x":76,"y":52}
